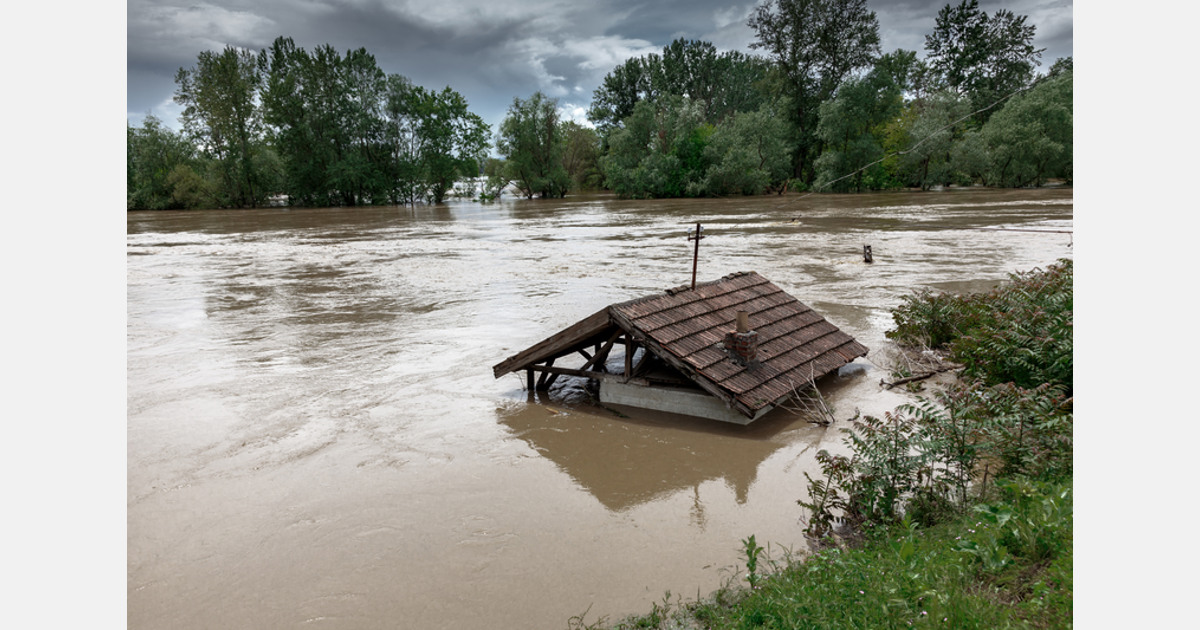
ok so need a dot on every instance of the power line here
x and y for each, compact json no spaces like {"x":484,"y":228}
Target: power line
{"x":830,"y":183}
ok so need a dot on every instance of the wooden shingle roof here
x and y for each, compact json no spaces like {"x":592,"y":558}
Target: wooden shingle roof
{"x":686,"y":329}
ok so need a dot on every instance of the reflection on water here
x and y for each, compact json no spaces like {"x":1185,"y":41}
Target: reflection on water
{"x":634,"y":459}
{"x":315,"y":436}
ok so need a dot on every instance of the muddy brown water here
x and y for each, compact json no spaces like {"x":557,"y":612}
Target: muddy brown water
{"x":315,"y":438}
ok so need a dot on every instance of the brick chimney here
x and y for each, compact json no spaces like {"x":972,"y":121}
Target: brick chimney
{"x":742,"y":344}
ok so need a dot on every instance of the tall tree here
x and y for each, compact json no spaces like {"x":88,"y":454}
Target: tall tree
{"x":404,"y":109}
{"x":326,"y":112}
{"x":221,"y":115}
{"x":302,"y":103}
{"x":721,"y":83}
{"x":815,"y":44}
{"x":618,"y":93}
{"x":453,"y":141}
{"x":531,"y":142}
{"x":853,"y":125}
{"x":362,"y":170}
{"x":982,"y":57}
{"x":928,"y":136}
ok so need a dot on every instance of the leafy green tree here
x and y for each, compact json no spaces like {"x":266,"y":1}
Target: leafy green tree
{"x":404,"y":113}
{"x":815,"y":44}
{"x":741,"y":84}
{"x":302,"y":103}
{"x":985,"y":58}
{"x":326,"y":112}
{"x":660,"y":152}
{"x":853,"y":126}
{"x":361,"y":172}
{"x":619,"y":92}
{"x":970,"y":159}
{"x":1031,"y":138}
{"x":453,"y":141}
{"x":932,"y":127}
{"x":723,"y":83}
{"x":532,"y":144}
{"x":581,"y":155}
{"x":748,"y":155}
{"x":221,"y":116}
{"x":153,"y":153}
{"x":189,"y":189}
{"x":496,"y":181}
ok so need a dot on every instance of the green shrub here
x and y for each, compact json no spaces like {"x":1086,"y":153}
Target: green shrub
{"x":1021,"y":332}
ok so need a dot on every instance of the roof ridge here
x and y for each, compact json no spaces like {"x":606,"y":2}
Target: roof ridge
{"x":685,"y":287}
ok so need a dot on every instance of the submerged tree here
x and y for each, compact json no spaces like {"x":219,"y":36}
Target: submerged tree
{"x":352,"y":135}
{"x":453,"y":140}
{"x":660,"y":152}
{"x":748,"y":155}
{"x":532,"y":144}
{"x":156,"y":161}
{"x":1031,"y":138}
{"x":326,"y":114}
{"x":932,"y":131}
{"x":581,"y":155}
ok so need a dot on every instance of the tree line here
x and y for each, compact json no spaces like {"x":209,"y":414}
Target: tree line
{"x":317,"y":128}
{"x":823,"y":108}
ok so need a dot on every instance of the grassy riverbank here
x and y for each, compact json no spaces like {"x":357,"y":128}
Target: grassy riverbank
{"x":954,"y":512}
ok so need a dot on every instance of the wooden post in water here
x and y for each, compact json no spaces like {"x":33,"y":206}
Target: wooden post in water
{"x":696,"y":255}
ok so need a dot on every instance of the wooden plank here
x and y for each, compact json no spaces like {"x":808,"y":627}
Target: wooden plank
{"x":555,"y":344}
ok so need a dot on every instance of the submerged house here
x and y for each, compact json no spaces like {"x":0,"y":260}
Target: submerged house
{"x":728,"y":350}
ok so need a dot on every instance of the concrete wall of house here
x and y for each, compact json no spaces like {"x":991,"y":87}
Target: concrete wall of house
{"x":690,"y":403}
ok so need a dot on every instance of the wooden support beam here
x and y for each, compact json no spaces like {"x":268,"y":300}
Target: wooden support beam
{"x":630,"y":348}
{"x":641,"y":364}
{"x":600,"y":376}
{"x":602,"y":355}
{"x":550,"y":381}
{"x":542,"y":384}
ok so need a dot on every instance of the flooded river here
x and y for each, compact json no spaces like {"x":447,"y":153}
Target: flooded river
{"x":315,"y":437}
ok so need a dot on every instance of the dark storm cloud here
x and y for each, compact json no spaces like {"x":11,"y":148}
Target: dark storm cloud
{"x":666,"y":21}
{"x":489,"y":50}
{"x":905,"y":23}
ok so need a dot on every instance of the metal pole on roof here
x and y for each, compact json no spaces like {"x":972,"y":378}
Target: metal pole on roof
{"x":696,"y":255}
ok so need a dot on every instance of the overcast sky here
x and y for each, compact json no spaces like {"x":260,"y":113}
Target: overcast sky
{"x":491,"y":51}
